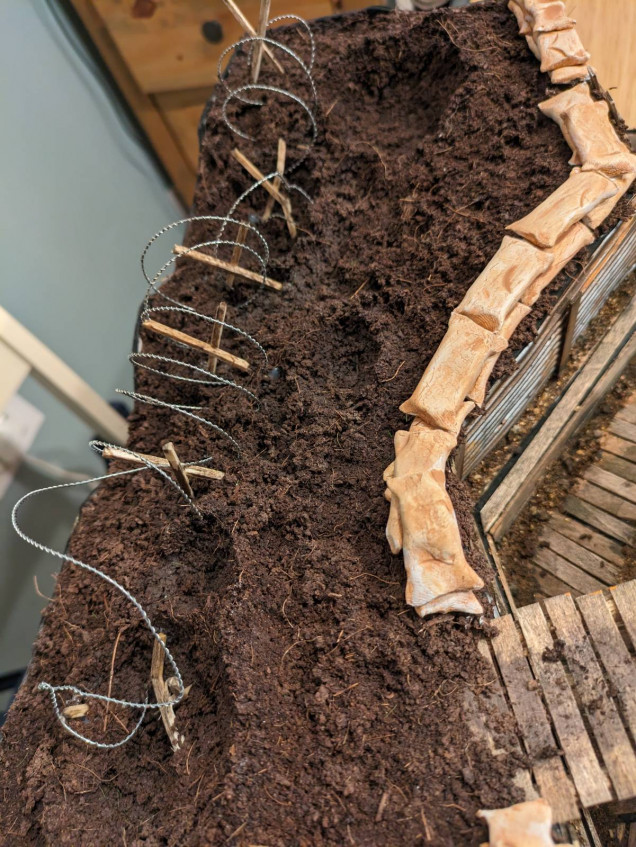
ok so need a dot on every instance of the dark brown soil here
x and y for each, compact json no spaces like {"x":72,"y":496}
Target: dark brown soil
{"x":316,"y":692}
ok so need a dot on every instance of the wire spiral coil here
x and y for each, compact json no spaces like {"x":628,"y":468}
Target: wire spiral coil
{"x":181,"y":370}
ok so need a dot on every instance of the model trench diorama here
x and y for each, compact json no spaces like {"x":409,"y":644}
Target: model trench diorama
{"x":377,"y":192}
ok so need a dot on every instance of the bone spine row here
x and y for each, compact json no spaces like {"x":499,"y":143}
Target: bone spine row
{"x":422,"y":523}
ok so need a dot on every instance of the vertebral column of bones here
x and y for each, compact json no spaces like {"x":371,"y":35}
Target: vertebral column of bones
{"x":422,"y":523}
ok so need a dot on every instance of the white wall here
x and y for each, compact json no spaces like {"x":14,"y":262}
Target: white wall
{"x":79,"y":200}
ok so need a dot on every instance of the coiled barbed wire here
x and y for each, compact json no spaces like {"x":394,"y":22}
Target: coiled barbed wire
{"x":165,"y":366}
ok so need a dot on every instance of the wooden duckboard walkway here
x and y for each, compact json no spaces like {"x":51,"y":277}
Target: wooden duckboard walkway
{"x":583,"y":547}
{"x":569,"y":674}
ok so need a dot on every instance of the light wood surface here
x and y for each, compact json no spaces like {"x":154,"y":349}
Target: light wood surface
{"x":608,"y":31}
{"x":531,"y":716}
{"x":591,"y":783}
{"x":166,"y":51}
{"x":58,"y":378}
{"x":593,"y":696}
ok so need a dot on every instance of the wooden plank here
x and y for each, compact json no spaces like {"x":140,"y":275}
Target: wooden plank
{"x":613,"y":653}
{"x":590,"y":781}
{"x":567,"y":572}
{"x":58,"y":378}
{"x":619,"y":447}
{"x":181,"y":111}
{"x":603,"y":546}
{"x":490,"y":719}
{"x":598,"y":375}
{"x":624,"y":429}
{"x":550,"y":586}
{"x":152,"y":122}
{"x":531,"y":716}
{"x":625,"y":598}
{"x":166,"y":50}
{"x":593,"y":695}
{"x":595,"y":517}
{"x":608,"y":31}
{"x":605,"y":479}
{"x":606,"y":500}
{"x":618,"y":466}
{"x":628,"y":411}
{"x":606,"y":572}
{"x":14,"y":370}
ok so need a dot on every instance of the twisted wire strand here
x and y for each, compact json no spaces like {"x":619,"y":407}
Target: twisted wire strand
{"x":242,"y":91}
{"x":164,"y":366}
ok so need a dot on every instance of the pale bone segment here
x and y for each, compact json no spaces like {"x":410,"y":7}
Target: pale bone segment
{"x":571,"y":202}
{"x":422,"y":522}
{"x":514,"y":318}
{"x":547,"y":17}
{"x":557,"y":107}
{"x":560,"y":49}
{"x":422,"y":449}
{"x":532,"y":44}
{"x":431,"y":544}
{"x":439,"y":399}
{"x":597,"y":216}
{"x":566,"y":248}
{"x":564,"y":76}
{"x":526,"y":824}
{"x":597,"y":145}
{"x":501,"y":284}
{"x":520,"y":14}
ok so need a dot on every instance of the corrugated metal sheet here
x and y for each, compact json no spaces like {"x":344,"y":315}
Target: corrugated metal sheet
{"x":610,"y":263}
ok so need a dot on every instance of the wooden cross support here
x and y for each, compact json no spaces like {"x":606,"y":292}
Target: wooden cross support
{"x":194,"y":471}
{"x":178,"y":469}
{"x":217,"y":334}
{"x":162,"y":694}
{"x":241,"y":237}
{"x":279,"y":197}
{"x":247,"y":26}
{"x":231,"y":268}
{"x":280,"y":167}
{"x":257,"y":57}
{"x":196,"y":343}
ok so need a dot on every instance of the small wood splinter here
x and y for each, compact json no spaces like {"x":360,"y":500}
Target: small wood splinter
{"x":241,"y":237}
{"x":161,"y":462}
{"x":196,"y":343}
{"x":178,"y":469}
{"x":279,"y":197}
{"x":217,"y":334}
{"x":247,"y":26}
{"x":280,"y":167}
{"x":263,"y":20}
{"x":162,"y":695}
{"x":230,"y":267}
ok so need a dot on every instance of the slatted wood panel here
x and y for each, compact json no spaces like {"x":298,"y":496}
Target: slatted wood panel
{"x":584,"y":546}
{"x":570,"y":676}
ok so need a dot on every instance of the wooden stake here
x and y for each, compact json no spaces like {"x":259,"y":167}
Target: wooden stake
{"x":247,"y":26}
{"x":226,"y":266}
{"x":280,"y":167}
{"x":196,"y":343}
{"x":241,"y":236}
{"x":162,"y":694}
{"x":284,"y":201}
{"x":196,"y":471}
{"x":257,"y":56}
{"x":171,"y":455}
{"x":217,"y":332}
